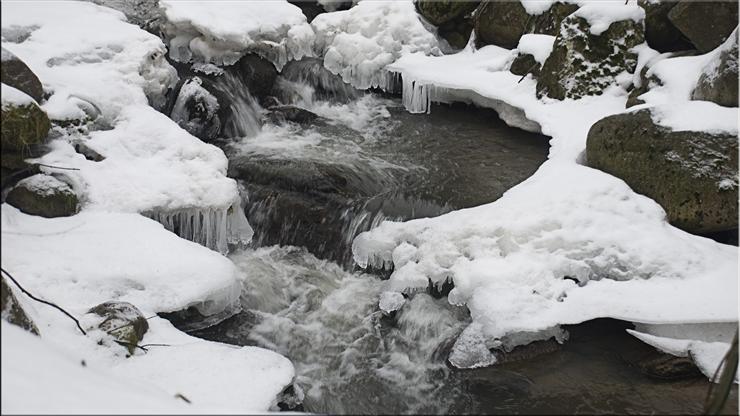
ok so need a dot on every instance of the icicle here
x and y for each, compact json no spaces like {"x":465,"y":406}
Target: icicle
{"x":215,"y":228}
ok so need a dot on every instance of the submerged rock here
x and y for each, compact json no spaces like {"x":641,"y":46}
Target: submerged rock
{"x":707,"y":24}
{"x":719,"y":79}
{"x":17,"y":74}
{"x":583,"y":63}
{"x":123,"y":321}
{"x":692,"y":175}
{"x":280,"y":114}
{"x":43,"y":195}
{"x":12,"y":310}
{"x":664,"y":366}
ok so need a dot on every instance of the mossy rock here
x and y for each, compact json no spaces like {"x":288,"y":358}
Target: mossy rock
{"x":18,"y":75}
{"x":43,"y":195}
{"x":660,"y":33}
{"x":123,"y":321}
{"x":692,"y":175}
{"x":582,"y":63}
{"x":500,"y":23}
{"x":438,"y":12}
{"x":707,"y":24}
{"x":525,"y":64}
{"x":456,"y":32}
{"x":548,"y":23}
{"x":719,"y":80}
{"x":12,"y":310}
{"x":23,"y":126}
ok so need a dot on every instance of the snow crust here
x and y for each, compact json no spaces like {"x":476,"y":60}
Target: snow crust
{"x":15,"y":97}
{"x":358,"y":43}
{"x":221,"y":32}
{"x":601,"y":14}
{"x":570,"y":243}
{"x":539,"y":46}
{"x":671,"y":104}
{"x":44,"y":184}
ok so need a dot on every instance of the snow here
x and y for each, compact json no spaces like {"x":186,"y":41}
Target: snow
{"x":358,"y":43}
{"x":570,"y":243}
{"x":221,"y":32}
{"x":670,"y":102}
{"x":44,"y":185}
{"x":601,"y":14}
{"x":539,"y":46}
{"x":14,"y":97}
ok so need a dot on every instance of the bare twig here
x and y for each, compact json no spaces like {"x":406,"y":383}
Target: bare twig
{"x":53,"y":305}
{"x":55,"y":167}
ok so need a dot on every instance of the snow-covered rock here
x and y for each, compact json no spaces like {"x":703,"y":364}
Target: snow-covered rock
{"x":358,"y":43}
{"x":221,"y":32}
{"x":17,"y":74}
{"x":718,"y":82}
{"x":43,"y":195}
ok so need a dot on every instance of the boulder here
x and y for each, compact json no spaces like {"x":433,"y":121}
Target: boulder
{"x":500,"y":23}
{"x":718,"y":81}
{"x":548,"y":23}
{"x":12,"y":310}
{"x":23,"y":126}
{"x":123,"y":321}
{"x":289,"y":113}
{"x":707,"y":24}
{"x":456,"y":32}
{"x":258,"y":74}
{"x":660,"y":33}
{"x":582,"y":63}
{"x":692,"y":175}
{"x":43,"y":195}
{"x":525,"y":64}
{"x":438,"y":12}
{"x":18,"y":75}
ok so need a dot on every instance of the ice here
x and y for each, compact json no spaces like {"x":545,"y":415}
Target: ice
{"x":391,"y":301}
{"x":539,"y":46}
{"x":14,"y":97}
{"x":358,"y":43}
{"x":221,"y":32}
{"x":192,"y":91}
{"x":470,"y":350}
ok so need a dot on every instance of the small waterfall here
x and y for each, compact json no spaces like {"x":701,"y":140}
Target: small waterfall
{"x":307,"y":81}
{"x":242,"y":112}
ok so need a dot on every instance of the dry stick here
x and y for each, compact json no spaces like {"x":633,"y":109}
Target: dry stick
{"x":528,"y":72}
{"x":55,"y":167}
{"x":43,"y":301}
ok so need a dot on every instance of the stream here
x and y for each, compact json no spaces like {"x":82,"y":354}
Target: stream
{"x":311,"y":184}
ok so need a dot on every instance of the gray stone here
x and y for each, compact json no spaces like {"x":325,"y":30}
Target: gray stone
{"x":18,"y":75}
{"x":525,"y":64}
{"x":582,"y":63}
{"x":500,"y":23}
{"x":660,"y":33}
{"x":12,"y":310}
{"x":707,"y":24}
{"x":438,"y":12}
{"x":123,"y":321}
{"x":43,"y":195}
{"x":692,"y":175}
{"x":718,"y":82}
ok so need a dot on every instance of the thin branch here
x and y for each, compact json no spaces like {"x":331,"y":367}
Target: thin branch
{"x":43,"y":301}
{"x":156,"y":345}
{"x":128,"y":324}
{"x":55,"y":167}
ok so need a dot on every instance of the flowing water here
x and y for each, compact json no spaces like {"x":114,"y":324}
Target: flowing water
{"x":312,"y":185}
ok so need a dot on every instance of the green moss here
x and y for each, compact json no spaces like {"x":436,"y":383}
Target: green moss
{"x":23,"y":126}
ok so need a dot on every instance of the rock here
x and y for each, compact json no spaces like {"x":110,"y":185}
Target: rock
{"x":707,"y":24}
{"x":500,"y":23}
{"x":582,"y":63}
{"x":43,"y":195}
{"x":456,"y":32}
{"x":548,"y":23}
{"x":692,"y":175}
{"x":718,"y":81}
{"x":525,"y":64}
{"x":438,"y":12}
{"x":144,"y":13}
{"x":12,"y":310}
{"x":660,"y":33}
{"x":668,"y":367}
{"x":123,"y":321}
{"x":291,"y":399}
{"x":290,"y":113}
{"x":18,"y":75}
{"x":258,"y":74}
{"x":23,"y":126}
{"x":196,"y":110}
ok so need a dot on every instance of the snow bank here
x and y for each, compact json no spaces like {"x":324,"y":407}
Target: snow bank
{"x":567,"y":245}
{"x":14,"y":97}
{"x":671,"y":102}
{"x":539,"y":46}
{"x":221,"y":32}
{"x":358,"y":43}
{"x":601,"y":14}
{"x":103,"y":72}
